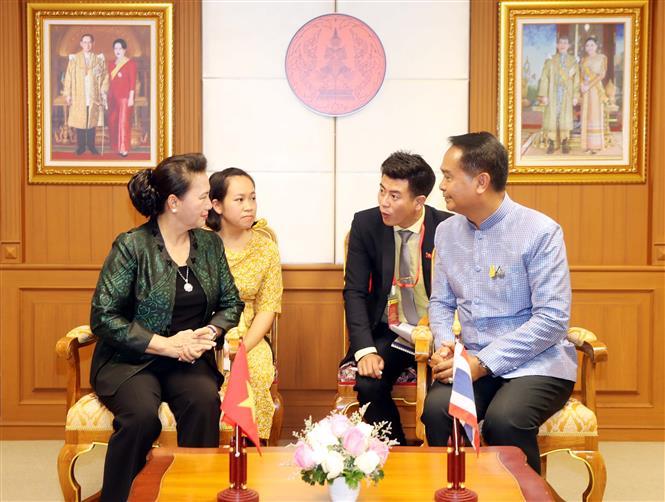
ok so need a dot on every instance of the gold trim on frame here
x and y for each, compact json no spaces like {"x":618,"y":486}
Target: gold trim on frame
{"x":638,"y":11}
{"x":37,"y":13}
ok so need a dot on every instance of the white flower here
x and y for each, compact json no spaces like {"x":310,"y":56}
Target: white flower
{"x":319,"y":452}
{"x":367,"y":462}
{"x":333,"y":464}
{"x":321,"y":434}
{"x":366,"y":429}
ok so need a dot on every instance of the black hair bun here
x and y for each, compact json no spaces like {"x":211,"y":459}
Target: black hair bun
{"x":143,"y":195}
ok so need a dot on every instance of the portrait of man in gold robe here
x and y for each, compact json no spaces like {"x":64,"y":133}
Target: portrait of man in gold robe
{"x":85,"y":89}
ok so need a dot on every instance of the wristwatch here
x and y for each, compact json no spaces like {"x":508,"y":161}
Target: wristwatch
{"x":485,"y":367}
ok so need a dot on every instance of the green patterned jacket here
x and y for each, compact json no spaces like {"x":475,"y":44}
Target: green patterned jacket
{"x":135,"y":295}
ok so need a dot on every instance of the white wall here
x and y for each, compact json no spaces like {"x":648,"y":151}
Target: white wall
{"x":310,"y":180}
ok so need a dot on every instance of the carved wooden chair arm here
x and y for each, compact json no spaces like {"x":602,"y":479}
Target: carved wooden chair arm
{"x":68,"y":348}
{"x":422,"y":339}
{"x":594,"y":351}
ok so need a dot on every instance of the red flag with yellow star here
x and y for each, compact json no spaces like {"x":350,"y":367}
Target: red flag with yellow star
{"x":238,"y":404}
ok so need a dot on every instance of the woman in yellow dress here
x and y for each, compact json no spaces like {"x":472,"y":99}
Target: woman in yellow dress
{"x":593,"y":68}
{"x":255,"y":265}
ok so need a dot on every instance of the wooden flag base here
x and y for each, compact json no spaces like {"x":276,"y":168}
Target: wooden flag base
{"x":238,"y":491}
{"x":456,"y":491}
{"x":449,"y":494}
{"x":237,"y":495}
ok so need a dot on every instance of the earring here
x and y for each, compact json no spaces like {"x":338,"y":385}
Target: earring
{"x":174,"y":210}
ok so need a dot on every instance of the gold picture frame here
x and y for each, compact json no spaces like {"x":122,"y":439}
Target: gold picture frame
{"x":573,"y":79}
{"x":100,"y":90}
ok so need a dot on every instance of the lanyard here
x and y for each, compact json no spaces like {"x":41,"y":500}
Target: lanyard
{"x":420,"y":262}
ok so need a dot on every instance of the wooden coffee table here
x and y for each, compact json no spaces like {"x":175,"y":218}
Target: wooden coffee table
{"x":412,"y":473}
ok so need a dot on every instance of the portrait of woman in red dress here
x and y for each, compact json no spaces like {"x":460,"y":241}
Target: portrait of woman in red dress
{"x":122,"y":73}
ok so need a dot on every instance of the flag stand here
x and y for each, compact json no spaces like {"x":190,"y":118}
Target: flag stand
{"x":455,"y":491}
{"x":238,"y":490}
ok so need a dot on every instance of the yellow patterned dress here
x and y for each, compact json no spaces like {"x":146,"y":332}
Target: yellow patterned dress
{"x":257,"y":272}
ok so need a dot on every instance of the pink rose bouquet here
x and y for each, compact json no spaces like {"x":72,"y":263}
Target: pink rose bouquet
{"x":341,"y":446}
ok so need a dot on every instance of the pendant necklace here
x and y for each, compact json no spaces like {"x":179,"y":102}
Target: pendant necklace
{"x":187,"y":286}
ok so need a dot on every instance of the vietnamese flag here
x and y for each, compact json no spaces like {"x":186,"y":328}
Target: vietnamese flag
{"x":238,"y":405}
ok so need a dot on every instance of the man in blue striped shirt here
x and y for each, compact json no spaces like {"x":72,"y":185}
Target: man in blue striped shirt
{"x":503,"y":267}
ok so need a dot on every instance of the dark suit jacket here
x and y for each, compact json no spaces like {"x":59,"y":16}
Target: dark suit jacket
{"x":370,"y":266}
{"x":135,"y":294}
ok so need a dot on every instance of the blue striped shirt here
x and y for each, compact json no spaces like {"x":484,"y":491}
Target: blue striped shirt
{"x":515,"y":322}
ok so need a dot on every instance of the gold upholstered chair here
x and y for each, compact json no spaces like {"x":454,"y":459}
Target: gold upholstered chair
{"x":89,"y":423}
{"x":574,"y":428}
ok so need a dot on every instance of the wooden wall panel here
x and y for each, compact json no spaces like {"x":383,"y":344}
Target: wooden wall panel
{"x":310,"y":341}
{"x":657,"y":131}
{"x":12,"y":122}
{"x":625,"y":307}
{"x":47,"y":314}
{"x":39,"y":305}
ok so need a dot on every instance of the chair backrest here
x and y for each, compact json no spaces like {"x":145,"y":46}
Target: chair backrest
{"x":345,"y":331}
{"x":261,"y":226}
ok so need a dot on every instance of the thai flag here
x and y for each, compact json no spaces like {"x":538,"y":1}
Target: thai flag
{"x":462,"y":403}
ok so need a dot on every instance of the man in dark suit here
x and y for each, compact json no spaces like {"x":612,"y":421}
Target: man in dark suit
{"x":387,"y":280}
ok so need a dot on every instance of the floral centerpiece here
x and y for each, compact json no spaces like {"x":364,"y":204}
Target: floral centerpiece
{"x":340,"y":448}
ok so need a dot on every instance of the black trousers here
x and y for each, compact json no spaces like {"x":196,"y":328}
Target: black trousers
{"x":377,"y":391}
{"x":512,"y":410}
{"x":191,"y":390}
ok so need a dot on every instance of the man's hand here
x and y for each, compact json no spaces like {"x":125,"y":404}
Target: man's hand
{"x":371,"y":366}
{"x":544,"y":100}
{"x":574,"y":101}
{"x":441,"y":362}
{"x":477,"y":371}
{"x":68,"y":100}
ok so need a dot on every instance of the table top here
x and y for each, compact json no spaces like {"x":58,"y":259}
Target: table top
{"x":411,"y":473}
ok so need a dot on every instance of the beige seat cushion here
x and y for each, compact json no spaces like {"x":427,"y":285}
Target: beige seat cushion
{"x":574,"y":419}
{"x":89,"y":414}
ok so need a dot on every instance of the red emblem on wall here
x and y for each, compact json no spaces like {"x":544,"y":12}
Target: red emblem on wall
{"x":335,"y":64}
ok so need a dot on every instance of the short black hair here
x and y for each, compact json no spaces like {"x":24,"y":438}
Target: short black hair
{"x":219,"y":186}
{"x":149,"y":189}
{"x":411,"y":167}
{"x":482,"y":152}
{"x":120,"y":41}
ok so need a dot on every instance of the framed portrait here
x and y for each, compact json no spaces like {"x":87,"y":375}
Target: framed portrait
{"x":573,"y":90}
{"x":100,"y":94}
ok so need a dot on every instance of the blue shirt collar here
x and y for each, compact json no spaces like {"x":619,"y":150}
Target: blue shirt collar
{"x":506,"y":206}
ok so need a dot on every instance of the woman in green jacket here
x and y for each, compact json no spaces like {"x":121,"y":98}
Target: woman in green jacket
{"x":164,"y":299}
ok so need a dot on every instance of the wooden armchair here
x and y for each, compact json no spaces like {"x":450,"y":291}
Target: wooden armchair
{"x":89,"y":423}
{"x":408,"y":392}
{"x":574,"y":428}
